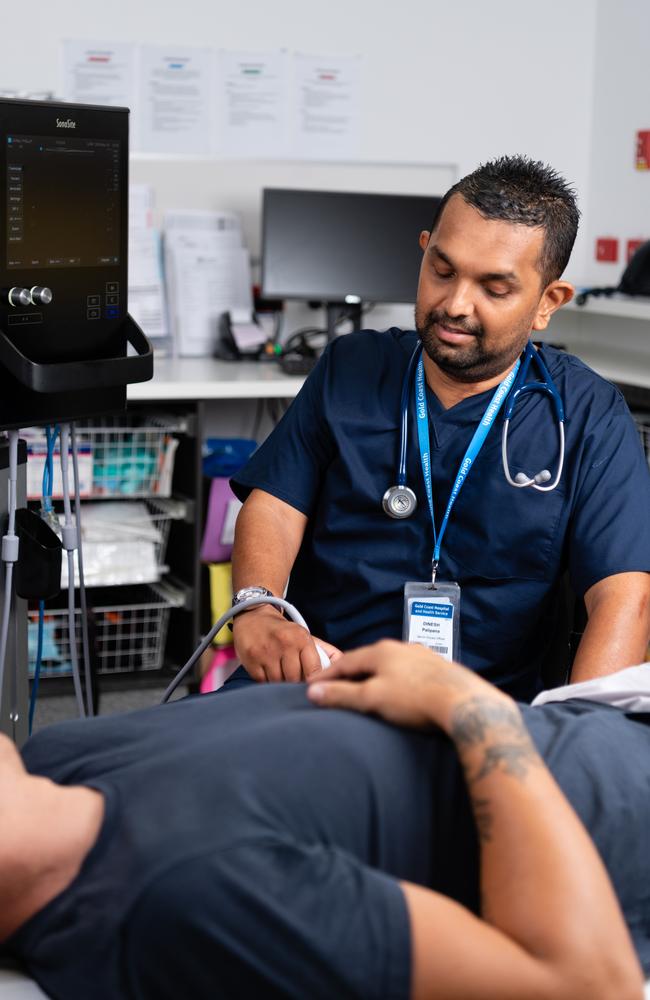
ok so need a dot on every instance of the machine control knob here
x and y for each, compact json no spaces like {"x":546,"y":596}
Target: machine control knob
{"x":19,"y":297}
{"x":40,"y":296}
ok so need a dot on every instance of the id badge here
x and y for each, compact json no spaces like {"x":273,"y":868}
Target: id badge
{"x":432,"y":617}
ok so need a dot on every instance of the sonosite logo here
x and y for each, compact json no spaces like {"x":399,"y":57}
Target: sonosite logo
{"x":68,"y":123}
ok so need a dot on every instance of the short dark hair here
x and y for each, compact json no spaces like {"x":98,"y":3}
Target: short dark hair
{"x":530,"y":193}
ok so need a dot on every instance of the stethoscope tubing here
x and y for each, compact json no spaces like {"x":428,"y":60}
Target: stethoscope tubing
{"x":547,"y":386}
{"x":406,"y":392}
{"x":528,"y":481}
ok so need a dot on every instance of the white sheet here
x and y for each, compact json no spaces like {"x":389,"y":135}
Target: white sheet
{"x":628,"y":690}
{"x":15,"y":985}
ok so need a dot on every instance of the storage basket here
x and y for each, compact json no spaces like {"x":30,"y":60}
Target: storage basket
{"x":125,"y":542}
{"x":123,"y":456}
{"x":126,"y":636}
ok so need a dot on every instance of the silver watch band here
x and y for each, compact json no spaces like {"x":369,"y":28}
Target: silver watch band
{"x":245,"y":593}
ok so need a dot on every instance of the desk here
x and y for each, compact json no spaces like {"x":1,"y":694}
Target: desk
{"x":612,"y":336}
{"x":206,"y":378}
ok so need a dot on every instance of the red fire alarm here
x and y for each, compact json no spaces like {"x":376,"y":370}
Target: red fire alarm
{"x":643,"y":150}
{"x":607,"y":249}
{"x":631,"y":248}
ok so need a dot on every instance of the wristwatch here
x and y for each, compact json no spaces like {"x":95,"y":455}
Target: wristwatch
{"x":246,"y":593}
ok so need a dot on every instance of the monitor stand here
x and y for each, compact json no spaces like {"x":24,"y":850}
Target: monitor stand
{"x":338,"y":311}
{"x":14,"y":696}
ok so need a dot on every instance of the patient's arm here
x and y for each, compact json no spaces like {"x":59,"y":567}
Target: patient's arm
{"x":551,"y":927}
{"x":46,"y":831}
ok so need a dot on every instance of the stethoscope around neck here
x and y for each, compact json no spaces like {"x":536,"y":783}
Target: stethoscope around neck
{"x":400,"y":501}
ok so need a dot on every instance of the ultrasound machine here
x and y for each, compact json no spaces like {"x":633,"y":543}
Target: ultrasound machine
{"x":68,"y":347}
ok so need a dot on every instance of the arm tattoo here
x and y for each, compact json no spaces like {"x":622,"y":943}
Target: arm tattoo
{"x":496,"y":731}
{"x":490,"y":735}
{"x":511,"y":758}
{"x":474,"y":719}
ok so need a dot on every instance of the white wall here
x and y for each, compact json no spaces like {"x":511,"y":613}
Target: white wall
{"x":618,"y":195}
{"x":443,"y":83}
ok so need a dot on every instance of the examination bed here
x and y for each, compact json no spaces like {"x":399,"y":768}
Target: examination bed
{"x":15,"y":985}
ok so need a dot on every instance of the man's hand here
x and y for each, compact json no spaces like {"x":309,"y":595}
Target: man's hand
{"x":274,"y":649}
{"x":407,"y":685}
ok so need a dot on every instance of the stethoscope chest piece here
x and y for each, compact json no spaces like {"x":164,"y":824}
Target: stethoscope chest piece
{"x":399,"y":501}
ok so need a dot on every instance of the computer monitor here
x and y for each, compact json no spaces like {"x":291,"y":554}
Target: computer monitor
{"x":342,"y":248}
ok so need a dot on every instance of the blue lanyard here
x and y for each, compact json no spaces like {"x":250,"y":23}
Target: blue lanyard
{"x":471,"y":454}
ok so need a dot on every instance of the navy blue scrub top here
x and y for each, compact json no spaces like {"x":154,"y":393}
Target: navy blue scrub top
{"x":336,"y":450}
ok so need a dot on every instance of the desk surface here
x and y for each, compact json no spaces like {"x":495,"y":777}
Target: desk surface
{"x":622,"y":368}
{"x":621,"y":306}
{"x":206,"y":378}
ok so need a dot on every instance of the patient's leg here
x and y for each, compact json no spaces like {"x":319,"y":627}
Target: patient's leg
{"x":45,"y":833}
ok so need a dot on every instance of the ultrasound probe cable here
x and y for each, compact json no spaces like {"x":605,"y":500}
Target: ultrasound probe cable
{"x":252,"y":602}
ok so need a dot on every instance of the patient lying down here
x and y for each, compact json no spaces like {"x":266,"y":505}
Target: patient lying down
{"x":254,"y":845}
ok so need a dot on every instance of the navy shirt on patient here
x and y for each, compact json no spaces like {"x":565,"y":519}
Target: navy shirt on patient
{"x":252,"y":844}
{"x":336,"y":451}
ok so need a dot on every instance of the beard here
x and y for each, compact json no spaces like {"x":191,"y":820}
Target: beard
{"x":473,"y":362}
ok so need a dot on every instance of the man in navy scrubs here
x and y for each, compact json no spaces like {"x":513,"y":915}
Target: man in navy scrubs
{"x":490,"y":280}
